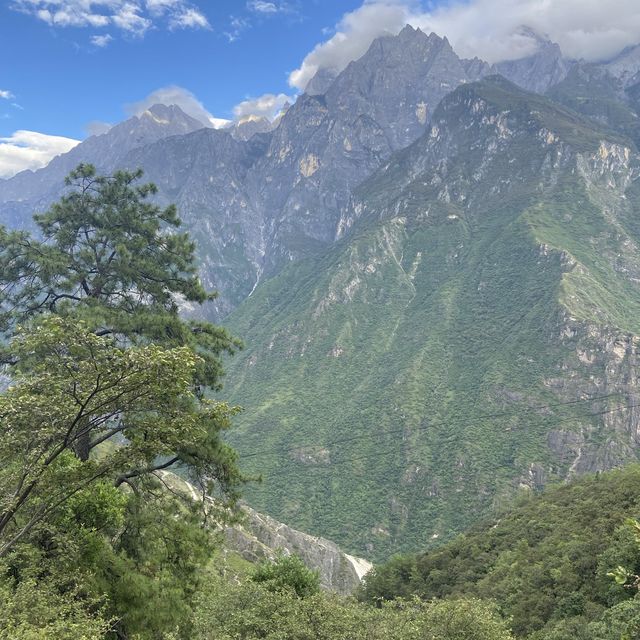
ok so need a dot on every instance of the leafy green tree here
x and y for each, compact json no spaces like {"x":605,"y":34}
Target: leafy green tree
{"x":620,"y":622}
{"x":288,"y":572}
{"x":71,"y":383}
{"x":112,"y":257}
{"x":544,"y":561}
{"x":35,"y":609}
{"x":463,"y":619}
{"x":251,"y":611}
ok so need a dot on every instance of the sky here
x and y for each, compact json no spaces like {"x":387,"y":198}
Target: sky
{"x":70,"y":68}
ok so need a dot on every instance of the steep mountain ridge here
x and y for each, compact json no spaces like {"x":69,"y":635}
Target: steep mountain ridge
{"x":299,"y":188}
{"x":291,"y":201}
{"x":31,"y":191}
{"x":473,"y":334}
{"x":539,"y":71}
{"x":327,"y":144}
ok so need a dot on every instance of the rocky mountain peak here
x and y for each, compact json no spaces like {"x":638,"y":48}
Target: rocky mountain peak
{"x":321,"y":81}
{"x":626,"y":65}
{"x":248,"y":126}
{"x":106,"y":151}
{"x":398,"y":82}
{"x":170,"y":116}
{"x":542,"y":69}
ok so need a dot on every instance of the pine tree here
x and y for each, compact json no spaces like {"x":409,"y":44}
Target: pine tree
{"x":113,"y":258}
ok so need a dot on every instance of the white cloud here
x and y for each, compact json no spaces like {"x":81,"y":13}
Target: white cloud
{"x":270,"y":8}
{"x":128,"y":18}
{"x":159,"y":7}
{"x":260,"y":6}
{"x":101,"y":41}
{"x":589,"y":29}
{"x":354,"y":34}
{"x":133,"y":17}
{"x":220,"y":123}
{"x":30,"y":150}
{"x":268,"y":106}
{"x":189,"y":19}
{"x":6,"y":95}
{"x":236,"y":28}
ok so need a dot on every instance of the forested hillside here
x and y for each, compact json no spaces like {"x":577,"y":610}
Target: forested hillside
{"x":547,"y":562}
{"x":473,"y":334}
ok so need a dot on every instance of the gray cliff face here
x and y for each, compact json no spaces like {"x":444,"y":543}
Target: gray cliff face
{"x":205,"y":174}
{"x":625,"y":66}
{"x":246,"y":128}
{"x":31,"y":191}
{"x":261,"y":537}
{"x":257,"y":537}
{"x":539,"y":71}
{"x":327,"y":144}
{"x":321,"y":82}
{"x":399,"y":82}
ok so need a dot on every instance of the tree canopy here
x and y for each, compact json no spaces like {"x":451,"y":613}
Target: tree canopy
{"x":107,"y":392}
{"x":112,"y":257}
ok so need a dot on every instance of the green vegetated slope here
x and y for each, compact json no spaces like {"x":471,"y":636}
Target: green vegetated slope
{"x":590,"y":90}
{"x":465,"y":340}
{"x":545,"y":561}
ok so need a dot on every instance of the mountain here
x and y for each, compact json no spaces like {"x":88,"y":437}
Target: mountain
{"x":248,"y":126}
{"x":286,"y":200}
{"x":255,"y":537}
{"x":435,"y":273}
{"x":205,"y":174}
{"x":327,"y":144}
{"x":35,"y":190}
{"x":473,"y":334}
{"x":626,"y":66}
{"x":539,"y":71}
{"x":259,"y":537}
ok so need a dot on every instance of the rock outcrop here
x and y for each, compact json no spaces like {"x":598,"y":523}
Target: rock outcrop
{"x":261,"y":537}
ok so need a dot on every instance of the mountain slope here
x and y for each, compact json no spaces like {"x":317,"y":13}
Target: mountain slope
{"x":282,"y":195}
{"x":328,"y":143}
{"x":35,"y":190}
{"x":466,"y":338}
{"x":205,"y":173}
{"x":539,"y":71}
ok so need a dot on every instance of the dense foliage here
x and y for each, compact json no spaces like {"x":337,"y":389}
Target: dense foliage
{"x":288,"y":572}
{"x":251,"y":611}
{"x":546,"y":561}
{"x":109,"y":255}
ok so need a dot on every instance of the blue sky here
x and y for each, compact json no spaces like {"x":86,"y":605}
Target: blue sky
{"x":61,"y":81}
